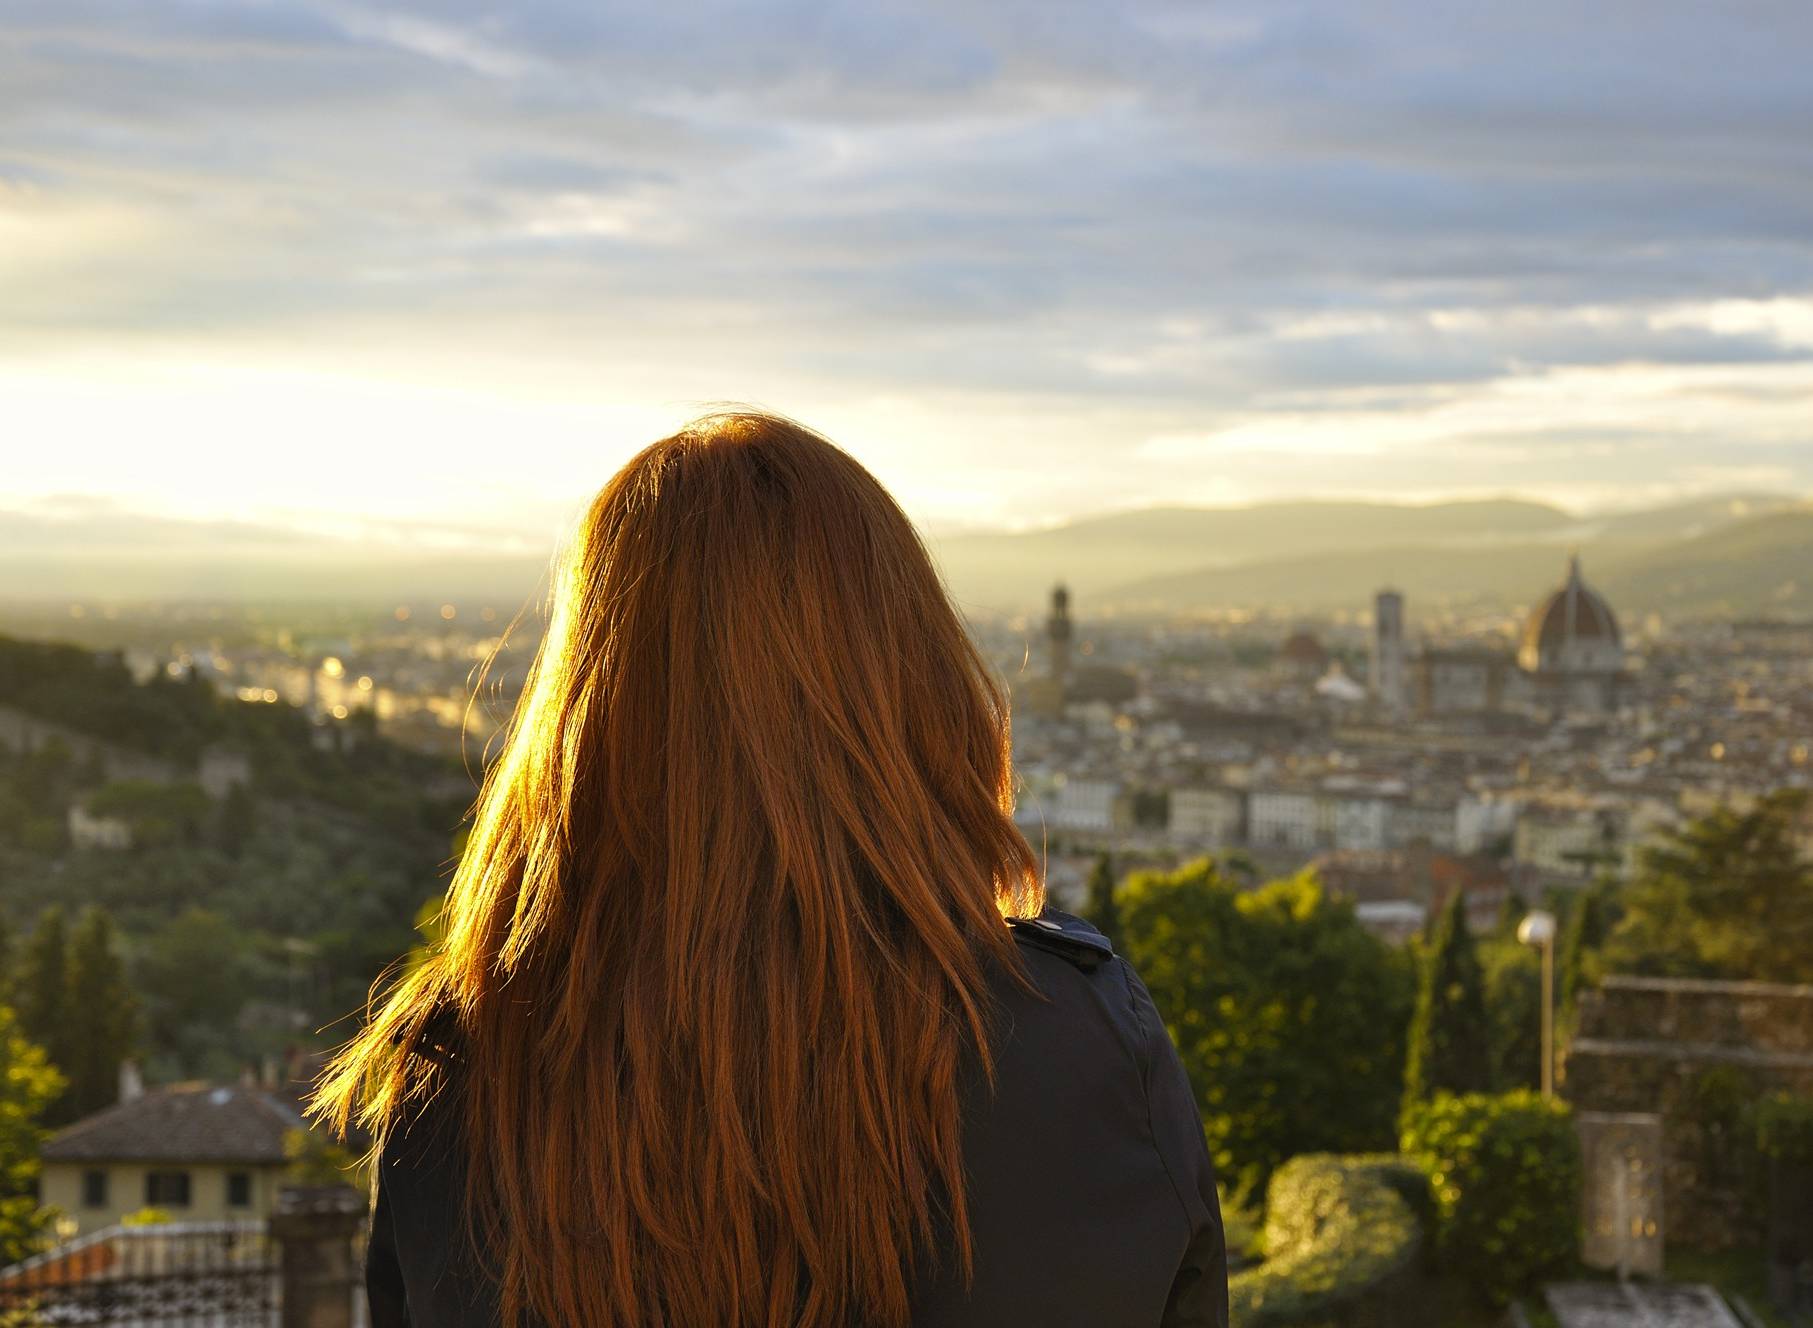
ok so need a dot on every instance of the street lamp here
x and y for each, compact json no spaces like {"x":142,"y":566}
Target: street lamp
{"x":1538,"y":929}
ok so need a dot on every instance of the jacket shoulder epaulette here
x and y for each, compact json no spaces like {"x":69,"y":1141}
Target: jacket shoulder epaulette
{"x":1065,"y":935}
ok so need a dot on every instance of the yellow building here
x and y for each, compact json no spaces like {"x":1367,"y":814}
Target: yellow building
{"x":199,"y":1152}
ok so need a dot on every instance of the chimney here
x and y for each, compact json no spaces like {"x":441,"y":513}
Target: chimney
{"x":132,"y":1083}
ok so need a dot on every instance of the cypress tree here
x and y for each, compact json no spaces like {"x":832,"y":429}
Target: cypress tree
{"x":43,"y":986}
{"x":102,"y":1020}
{"x":1584,"y":931}
{"x":1104,"y":911}
{"x":1450,"y":1036}
{"x":1510,"y":915}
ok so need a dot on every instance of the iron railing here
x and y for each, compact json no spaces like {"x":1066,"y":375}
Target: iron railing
{"x":180,"y":1275}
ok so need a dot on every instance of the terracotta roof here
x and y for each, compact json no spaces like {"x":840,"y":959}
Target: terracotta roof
{"x":181,"y":1123}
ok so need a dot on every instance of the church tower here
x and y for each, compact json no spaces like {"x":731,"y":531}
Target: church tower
{"x":1388,"y":663}
{"x":1058,"y":631}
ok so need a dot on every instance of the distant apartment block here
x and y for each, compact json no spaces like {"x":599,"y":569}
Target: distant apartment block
{"x":1211,"y":816}
{"x":1086,"y":804}
{"x":1280,"y":818}
{"x":1569,"y":843}
{"x":1435,"y":824}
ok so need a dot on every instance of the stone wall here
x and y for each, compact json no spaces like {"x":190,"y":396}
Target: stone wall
{"x":1699,"y":1054}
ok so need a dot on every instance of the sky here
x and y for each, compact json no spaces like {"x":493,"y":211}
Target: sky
{"x":439,"y":269}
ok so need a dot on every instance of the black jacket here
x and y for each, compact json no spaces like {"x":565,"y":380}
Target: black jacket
{"x":1091,"y":1194}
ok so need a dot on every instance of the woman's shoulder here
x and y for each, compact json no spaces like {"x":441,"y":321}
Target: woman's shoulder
{"x":1084,"y":1154}
{"x":1084,"y":997}
{"x":1071,"y":938}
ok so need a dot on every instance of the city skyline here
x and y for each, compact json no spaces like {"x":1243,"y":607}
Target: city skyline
{"x":336,"y":267}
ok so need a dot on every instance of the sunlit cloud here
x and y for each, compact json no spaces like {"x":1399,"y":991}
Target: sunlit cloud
{"x":1026,"y":262}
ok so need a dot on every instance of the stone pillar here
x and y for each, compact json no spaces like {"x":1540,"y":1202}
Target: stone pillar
{"x":1621,"y":1205}
{"x":317,"y":1227}
{"x":1790,"y":1244}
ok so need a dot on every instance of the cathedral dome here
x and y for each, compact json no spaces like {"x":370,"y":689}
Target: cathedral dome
{"x":1303,"y":657}
{"x":1302,"y":648}
{"x":1573,"y":631}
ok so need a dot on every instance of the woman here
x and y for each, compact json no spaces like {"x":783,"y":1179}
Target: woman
{"x":747,"y":1011}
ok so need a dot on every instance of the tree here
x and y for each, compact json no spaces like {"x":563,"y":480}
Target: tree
{"x":1103,"y":910}
{"x":158,"y":813}
{"x":1288,"y":1015}
{"x":1512,"y":973}
{"x":1581,"y":934}
{"x":1506,"y":1183}
{"x":1151,"y":808}
{"x":236,"y":820}
{"x":44,"y":986}
{"x":1450,"y":1037}
{"x":1510,"y":914}
{"x":195,"y":973}
{"x":1726,"y":896}
{"x":103,"y":1017}
{"x":29,"y":1083}
{"x":311,"y":1158}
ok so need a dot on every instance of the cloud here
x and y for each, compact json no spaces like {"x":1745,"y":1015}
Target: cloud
{"x":1061,"y":228}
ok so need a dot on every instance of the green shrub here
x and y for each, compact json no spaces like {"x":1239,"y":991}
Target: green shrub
{"x":1784,"y":1129}
{"x":1343,"y":1241}
{"x":1242,"y":1229}
{"x":1505,"y":1173}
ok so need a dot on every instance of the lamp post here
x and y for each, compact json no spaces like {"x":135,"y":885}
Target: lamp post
{"x":1538,"y":929}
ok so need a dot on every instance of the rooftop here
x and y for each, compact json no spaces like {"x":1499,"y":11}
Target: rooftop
{"x":181,"y":1123}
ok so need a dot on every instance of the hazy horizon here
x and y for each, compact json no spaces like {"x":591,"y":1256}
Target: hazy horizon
{"x":69,"y":521}
{"x":1730,"y":555}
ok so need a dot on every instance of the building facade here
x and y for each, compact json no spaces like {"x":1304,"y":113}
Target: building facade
{"x":195,"y":1151}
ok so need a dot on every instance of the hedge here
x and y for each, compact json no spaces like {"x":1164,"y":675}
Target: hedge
{"x":1784,"y":1129}
{"x":1506,"y":1174}
{"x":1343,"y":1239}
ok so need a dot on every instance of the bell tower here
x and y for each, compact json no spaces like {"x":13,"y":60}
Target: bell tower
{"x":1058,"y":631}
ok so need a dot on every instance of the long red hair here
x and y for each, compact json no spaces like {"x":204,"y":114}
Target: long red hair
{"x":720,"y":936}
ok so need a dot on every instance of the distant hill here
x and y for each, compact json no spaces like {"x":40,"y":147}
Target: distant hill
{"x":102,"y":551}
{"x":1677,"y":521}
{"x":1748,"y":565}
{"x":1733,"y":553}
{"x":1762,"y":565}
{"x":326,"y":573}
{"x":1315,"y":554}
{"x":1457,"y":577}
{"x":1094,"y":554}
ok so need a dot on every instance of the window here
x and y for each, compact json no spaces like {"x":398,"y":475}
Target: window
{"x":167,"y":1189}
{"x":94,"y":1189}
{"x":239,"y":1189}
